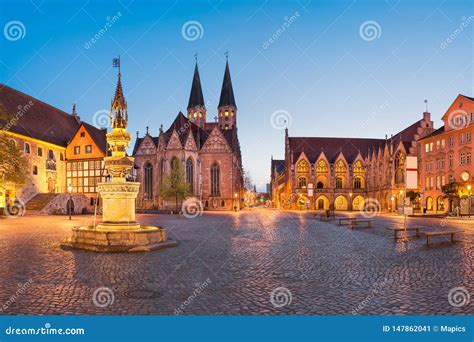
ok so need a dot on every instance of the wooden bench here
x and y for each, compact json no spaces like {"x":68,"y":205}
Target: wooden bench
{"x":429,"y":235}
{"x":355,"y":222}
{"x":397,"y":230}
{"x":344,"y":219}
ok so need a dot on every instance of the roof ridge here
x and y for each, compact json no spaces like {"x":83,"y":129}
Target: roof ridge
{"x":2,"y":85}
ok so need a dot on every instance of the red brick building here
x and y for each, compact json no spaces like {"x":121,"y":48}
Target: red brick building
{"x":209,"y":153}
{"x":446,"y":156}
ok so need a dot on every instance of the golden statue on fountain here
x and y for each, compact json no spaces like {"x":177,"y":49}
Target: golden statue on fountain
{"x":119,"y":231}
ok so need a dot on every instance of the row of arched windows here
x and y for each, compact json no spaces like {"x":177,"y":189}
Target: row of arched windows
{"x":322,"y":169}
{"x":189,"y":176}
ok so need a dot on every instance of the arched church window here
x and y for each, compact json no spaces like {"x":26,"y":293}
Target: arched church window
{"x":357,"y":183}
{"x":215,"y":180}
{"x":190,"y":174}
{"x":339,"y":183}
{"x":302,"y":182}
{"x":148,"y":181}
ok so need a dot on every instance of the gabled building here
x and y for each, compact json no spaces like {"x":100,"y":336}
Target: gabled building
{"x":209,"y":152}
{"x":340,"y":173}
{"x":60,"y":148}
{"x":446,"y":156}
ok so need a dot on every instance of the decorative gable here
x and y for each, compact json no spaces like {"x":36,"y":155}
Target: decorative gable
{"x":174,"y":143}
{"x":190,"y":143}
{"x":216,"y":142}
{"x":147,"y":147}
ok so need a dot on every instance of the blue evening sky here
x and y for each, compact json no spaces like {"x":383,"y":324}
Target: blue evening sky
{"x":321,"y":69}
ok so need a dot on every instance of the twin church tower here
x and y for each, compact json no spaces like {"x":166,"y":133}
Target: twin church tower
{"x":227,"y":110}
{"x":209,"y":152}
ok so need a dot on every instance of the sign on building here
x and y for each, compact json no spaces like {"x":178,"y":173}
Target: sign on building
{"x":412,"y":172}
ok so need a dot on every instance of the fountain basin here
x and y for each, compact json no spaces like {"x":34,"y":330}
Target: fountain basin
{"x":141,"y":239}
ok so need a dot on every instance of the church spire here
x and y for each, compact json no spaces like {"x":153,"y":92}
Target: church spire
{"x":227,"y":92}
{"x":196,"y":106}
{"x":227,"y":108}
{"x":118,"y":112}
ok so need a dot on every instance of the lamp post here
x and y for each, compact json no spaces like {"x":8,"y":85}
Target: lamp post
{"x":69,"y":190}
{"x":469,"y":188}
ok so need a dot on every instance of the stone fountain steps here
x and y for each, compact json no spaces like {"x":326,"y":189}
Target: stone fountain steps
{"x":121,"y":240}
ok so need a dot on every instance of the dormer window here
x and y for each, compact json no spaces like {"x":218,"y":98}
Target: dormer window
{"x":83,"y":134}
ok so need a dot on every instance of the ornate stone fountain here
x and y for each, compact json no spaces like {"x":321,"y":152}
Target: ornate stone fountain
{"x":119,"y":231}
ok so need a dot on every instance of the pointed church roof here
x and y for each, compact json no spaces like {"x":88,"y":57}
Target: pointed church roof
{"x":227,"y":92}
{"x":195,"y":97}
{"x":119,"y":99}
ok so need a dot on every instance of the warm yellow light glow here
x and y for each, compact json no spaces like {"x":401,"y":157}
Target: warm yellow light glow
{"x":69,"y":188}
{"x":195,"y":114}
{"x":401,"y":192}
{"x":235,"y":195}
{"x":469,"y":187}
{"x":350,"y":194}
{"x":226,"y":113}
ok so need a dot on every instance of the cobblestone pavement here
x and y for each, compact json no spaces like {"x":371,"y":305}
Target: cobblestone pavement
{"x":232,"y":263}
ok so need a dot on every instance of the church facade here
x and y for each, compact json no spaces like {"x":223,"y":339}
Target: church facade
{"x":341,"y":173}
{"x":209,"y":153}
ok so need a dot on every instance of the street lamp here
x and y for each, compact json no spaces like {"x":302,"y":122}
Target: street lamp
{"x":469,"y":188}
{"x":350,"y":200}
{"x":69,"y":203}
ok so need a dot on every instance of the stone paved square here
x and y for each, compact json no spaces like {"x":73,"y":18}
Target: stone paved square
{"x":257,"y":262}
